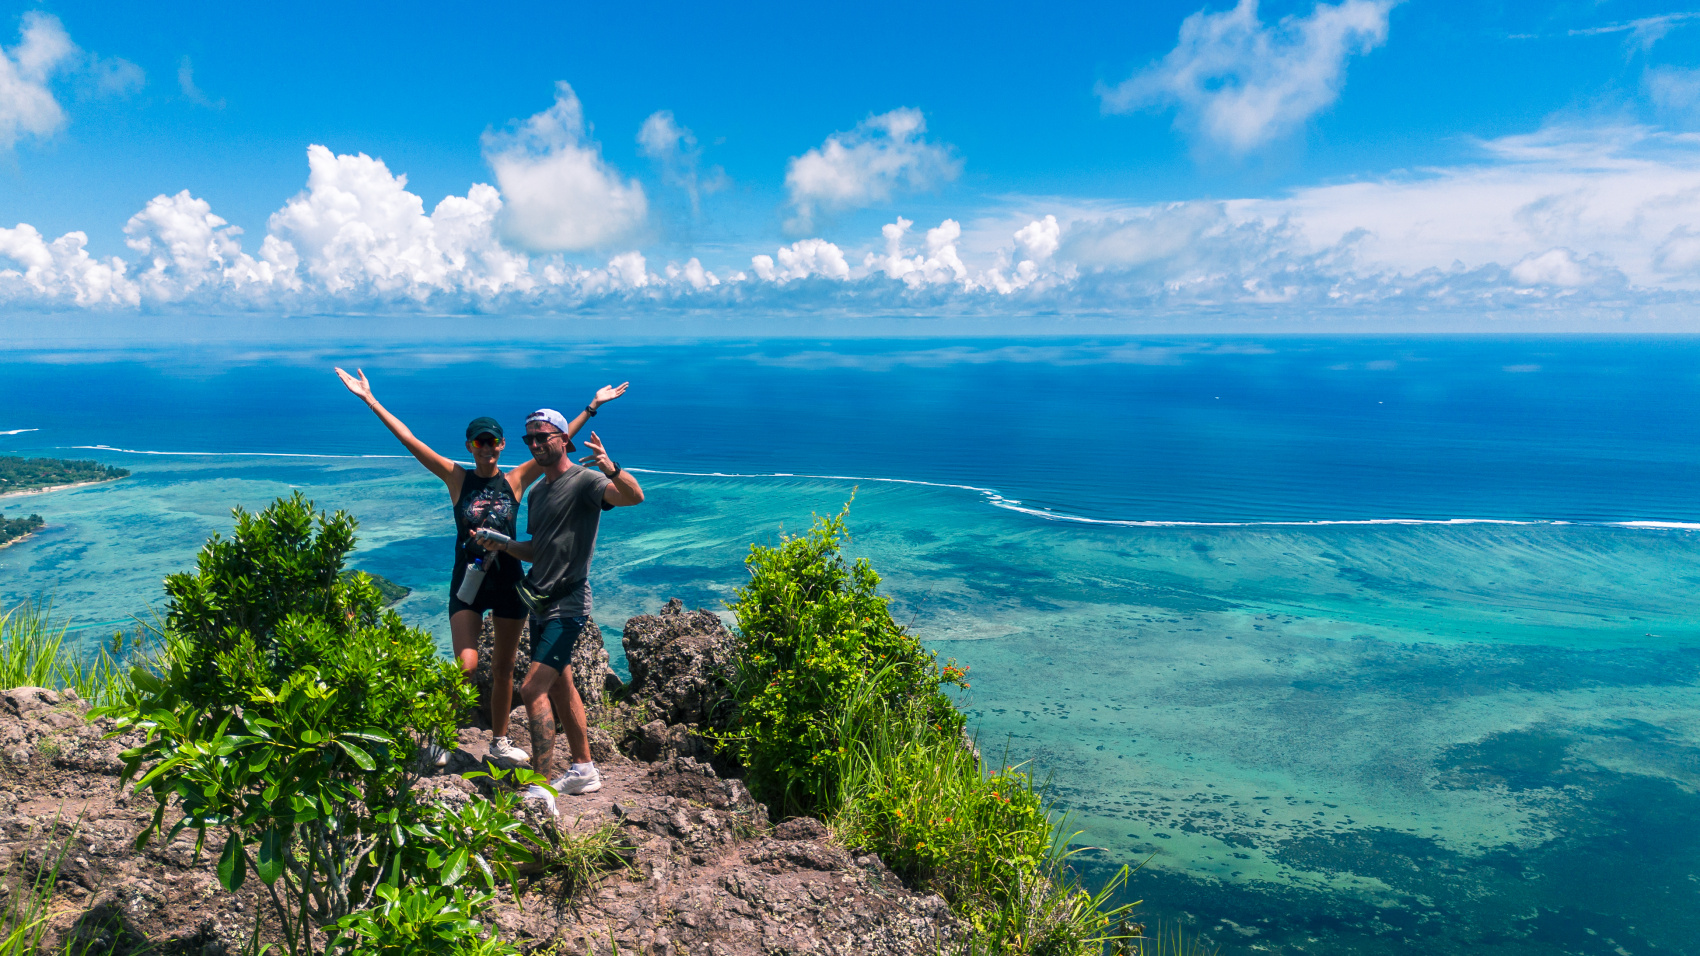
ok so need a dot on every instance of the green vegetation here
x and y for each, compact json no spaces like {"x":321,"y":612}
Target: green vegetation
{"x":286,"y":718}
{"x":33,"y":654}
{"x":24,"y":474}
{"x":13,"y":528}
{"x":840,"y":713}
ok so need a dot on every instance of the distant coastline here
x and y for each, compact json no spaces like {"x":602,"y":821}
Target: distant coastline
{"x":45,"y":489}
{"x":38,"y":476}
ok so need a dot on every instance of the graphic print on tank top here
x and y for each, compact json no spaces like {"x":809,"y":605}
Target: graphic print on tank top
{"x":484,"y":503}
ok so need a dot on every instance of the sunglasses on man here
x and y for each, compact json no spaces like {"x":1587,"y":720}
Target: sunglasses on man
{"x":534,"y":439}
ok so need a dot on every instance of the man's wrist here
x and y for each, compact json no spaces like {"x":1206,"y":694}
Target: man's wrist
{"x":591,"y":408}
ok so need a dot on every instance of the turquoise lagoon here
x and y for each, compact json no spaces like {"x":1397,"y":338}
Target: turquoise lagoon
{"x":1248,"y":641}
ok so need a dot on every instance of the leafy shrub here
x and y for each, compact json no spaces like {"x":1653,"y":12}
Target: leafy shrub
{"x":811,"y":628}
{"x":287,"y":714}
{"x":421,"y":919}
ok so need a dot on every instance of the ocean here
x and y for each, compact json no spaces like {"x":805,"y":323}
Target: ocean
{"x":1360,"y":645}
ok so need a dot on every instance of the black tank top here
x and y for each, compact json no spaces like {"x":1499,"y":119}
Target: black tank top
{"x":485,"y":503}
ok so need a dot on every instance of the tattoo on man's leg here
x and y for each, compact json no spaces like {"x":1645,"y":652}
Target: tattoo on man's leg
{"x":543,"y":744}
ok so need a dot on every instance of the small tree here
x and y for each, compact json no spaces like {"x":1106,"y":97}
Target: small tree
{"x":811,"y":629}
{"x":287,"y":715}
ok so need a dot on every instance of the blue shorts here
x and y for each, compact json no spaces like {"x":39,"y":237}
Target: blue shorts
{"x":552,"y":641}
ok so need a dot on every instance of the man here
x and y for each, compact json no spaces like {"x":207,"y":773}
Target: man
{"x":563,"y":512}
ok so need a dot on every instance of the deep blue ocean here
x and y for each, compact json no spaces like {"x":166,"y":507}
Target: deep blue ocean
{"x":1370,"y":645}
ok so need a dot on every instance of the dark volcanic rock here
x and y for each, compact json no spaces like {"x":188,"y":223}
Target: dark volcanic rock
{"x":679,"y":661}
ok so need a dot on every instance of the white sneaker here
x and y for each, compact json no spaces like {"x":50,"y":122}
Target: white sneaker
{"x":503,"y":748}
{"x":577,"y":781}
{"x":534,"y":792}
{"x":434,"y":755}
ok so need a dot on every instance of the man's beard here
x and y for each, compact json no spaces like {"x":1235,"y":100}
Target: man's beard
{"x":548,"y":457}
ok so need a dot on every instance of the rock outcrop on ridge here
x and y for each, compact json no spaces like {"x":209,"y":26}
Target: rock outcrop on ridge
{"x":708,"y":871}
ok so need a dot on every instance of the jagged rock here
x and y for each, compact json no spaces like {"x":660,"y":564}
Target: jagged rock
{"x":592,"y":673}
{"x":679,"y":661}
{"x":660,"y":741}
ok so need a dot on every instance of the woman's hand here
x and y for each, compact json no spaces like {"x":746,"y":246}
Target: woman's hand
{"x":362,"y":388}
{"x":608,"y":393}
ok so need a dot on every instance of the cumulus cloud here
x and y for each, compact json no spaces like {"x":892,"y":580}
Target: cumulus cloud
{"x":27,"y":106}
{"x":674,"y":151}
{"x":867,"y":165}
{"x":356,"y":229}
{"x":1238,"y":83}
{"x":561,"y":195}
{"x":187,"y":248}
{"x":61,"y":270}
{"x":802,"y":259}
{"x":938,"y":265}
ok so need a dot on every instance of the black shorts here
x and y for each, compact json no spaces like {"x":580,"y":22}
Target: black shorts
{"x":496,"y":595}
{"x":552,"y":641}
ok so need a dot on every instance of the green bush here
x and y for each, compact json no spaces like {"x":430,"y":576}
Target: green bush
{"x":287,"y":715}
{"x":841,"y":713}
{"x":419,"y":920}
{"x":811,"y":628}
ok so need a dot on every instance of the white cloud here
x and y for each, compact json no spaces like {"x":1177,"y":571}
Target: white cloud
{"x":27,"y":106}
{"x":1615,"y":192}
{"x":113,"y":76}
{"x":186,"y":248}
{"x":60,"y":270}
{"x":939,"y":265}
{"x":358,"y":230}
{"x":867,"y":164}
{"x":1557,"y":267}
{"x":674,"y":150}
{"x":692,"y":274}
{"x":560,"y":194}
{"x":802,"y":259}
{"x":186,"y":83}
{"x":1674,"y":93}
{"x":1642,"y":34}
{"x":1238,"y":83}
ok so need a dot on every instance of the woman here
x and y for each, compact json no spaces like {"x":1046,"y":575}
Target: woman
{"x":483,"y":497}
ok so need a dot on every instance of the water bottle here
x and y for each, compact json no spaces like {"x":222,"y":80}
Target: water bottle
{"x":471,"y":582}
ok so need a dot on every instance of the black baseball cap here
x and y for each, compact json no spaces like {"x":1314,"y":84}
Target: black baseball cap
{"x":484,"y":425}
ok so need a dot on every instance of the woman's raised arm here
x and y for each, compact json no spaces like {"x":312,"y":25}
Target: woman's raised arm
{"x":436,"y":464}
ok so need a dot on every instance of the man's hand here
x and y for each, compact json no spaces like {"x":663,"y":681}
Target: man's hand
{"x":489,"y":541}
{"x":598,"y":455}
{"x":360,"y":387}
{"x":622,"y":488}
{"x":608,"y":393}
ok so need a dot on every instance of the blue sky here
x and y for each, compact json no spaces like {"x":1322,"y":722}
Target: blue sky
{"x":1296,"y":161}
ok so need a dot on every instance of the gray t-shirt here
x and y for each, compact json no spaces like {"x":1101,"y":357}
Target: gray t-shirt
{"x":562,"y":516}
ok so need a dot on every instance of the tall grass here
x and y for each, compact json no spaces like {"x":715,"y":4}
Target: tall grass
{"x":985,"y":840}
{"x":33,"y":654}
